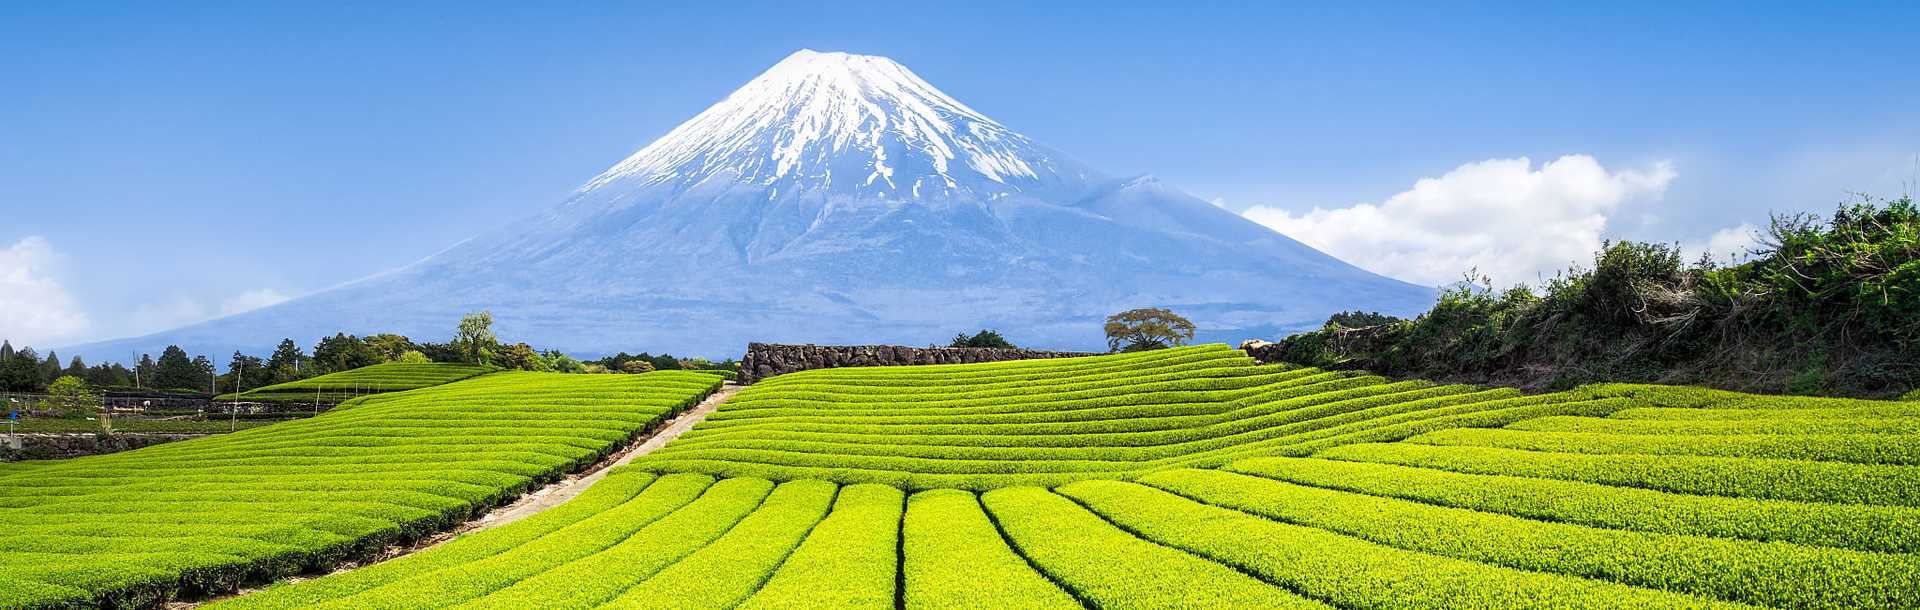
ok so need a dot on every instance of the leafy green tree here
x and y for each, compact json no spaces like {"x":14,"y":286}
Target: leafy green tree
{"x":563,"y":363}
{"x":343,"y":352}
{"x":474,"y":339}
{"x":1360,"y":319}
{"x":413,"y":357}
{"x":390,"y":346}
{"x":1147,"y":328}
{"x":521,"y":356}
{"x":70,"y":396}
{"x":984,"y":338}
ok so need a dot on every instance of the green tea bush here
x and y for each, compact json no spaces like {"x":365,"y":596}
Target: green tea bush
{"x":208,"y":515}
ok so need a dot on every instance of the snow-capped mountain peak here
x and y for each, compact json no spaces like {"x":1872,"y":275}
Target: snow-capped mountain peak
{"x":849,"y":124}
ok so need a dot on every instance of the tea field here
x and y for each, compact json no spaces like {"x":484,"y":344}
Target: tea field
{"x":387,"y":377}
{"x":1194,"y":478}
{"x":207,"y":515}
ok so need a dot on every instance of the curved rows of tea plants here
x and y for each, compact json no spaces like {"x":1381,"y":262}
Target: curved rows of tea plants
{"x":388,"y":377}
{"x":207,"y":515}
{"x":1052,"y":422}
{"x":1372,"y":494}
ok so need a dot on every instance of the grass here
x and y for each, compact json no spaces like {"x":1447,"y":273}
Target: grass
{"x":375,"y":379}
{"x":207,"y":515}
{"x":1180,"y":478}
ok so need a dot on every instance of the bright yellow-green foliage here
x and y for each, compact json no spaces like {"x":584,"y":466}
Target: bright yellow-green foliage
{"x":1050,"y":422}
{"x":389,"y":377}
{"x":1194,"y":478}
{"x":206,"y":515}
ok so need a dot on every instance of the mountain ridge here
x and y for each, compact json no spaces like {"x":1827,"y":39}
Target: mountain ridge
{"x":837,"y":198}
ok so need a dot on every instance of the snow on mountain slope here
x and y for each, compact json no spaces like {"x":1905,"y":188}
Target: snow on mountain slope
{"x":837,"y":198}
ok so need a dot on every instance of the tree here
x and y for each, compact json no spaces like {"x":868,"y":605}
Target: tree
{"x":984,"y":338}
{"x":176,"y":370}
{"x":413,"y":357}
{"x":1147,"y":328}
{"x":563,"y":363}
{"x":109,"y":375}
{"x":390,"y":346}
{"x":474,"y":339}
{"x":20,"y":370}
{"x":144,"y":371}
{"x":636,"y":366}
{"x":1360,"y":319}
{"x":50,"y":370}
{"x":521,"y":356}
{"x":343,"y":352}
{"x":245,"y":373}
{"x":76,"y":368}
{"x":284,"y":364}
{"x":70,"y":396}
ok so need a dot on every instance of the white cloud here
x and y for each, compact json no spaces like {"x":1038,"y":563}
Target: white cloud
{"x":1503,"y":217}
{"x":1725,"y":245}
{"x":165,"y":313}
{"x":251,"y":300}
{"x":181,"y":310}
{"x":1218,"y":202}
{"x":35,"y":307}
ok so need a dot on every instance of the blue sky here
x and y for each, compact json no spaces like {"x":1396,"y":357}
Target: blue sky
{"x":164,"y":163}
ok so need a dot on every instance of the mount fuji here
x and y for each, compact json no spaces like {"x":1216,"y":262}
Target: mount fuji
{"x":836,"y":198}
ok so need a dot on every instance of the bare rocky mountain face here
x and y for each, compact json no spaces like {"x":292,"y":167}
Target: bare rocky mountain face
{"x":836,"y":198}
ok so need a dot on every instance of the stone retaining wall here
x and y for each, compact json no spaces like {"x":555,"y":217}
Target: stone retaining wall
{"x":765,"y":360}
{"x":51,"y":446}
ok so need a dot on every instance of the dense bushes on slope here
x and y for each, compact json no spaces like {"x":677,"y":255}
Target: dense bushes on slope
{"x":1825,"y":306}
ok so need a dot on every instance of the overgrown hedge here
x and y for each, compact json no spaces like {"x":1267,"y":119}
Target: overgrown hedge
{"x":1825,"y":306}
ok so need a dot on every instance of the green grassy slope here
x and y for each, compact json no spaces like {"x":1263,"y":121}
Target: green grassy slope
{"x":388,"y":377}
{"x":1368,"y":495}
{"x":206,"y":515}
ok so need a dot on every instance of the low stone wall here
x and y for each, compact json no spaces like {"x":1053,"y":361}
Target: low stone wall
{"x":765,"y":360}
{"x":46,"y":446}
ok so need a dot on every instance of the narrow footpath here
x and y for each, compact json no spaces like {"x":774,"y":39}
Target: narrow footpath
{"x":566,"y":489}
{"x":554,"y":494}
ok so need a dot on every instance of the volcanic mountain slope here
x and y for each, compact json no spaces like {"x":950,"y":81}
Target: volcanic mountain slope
{"x":838,"y":198}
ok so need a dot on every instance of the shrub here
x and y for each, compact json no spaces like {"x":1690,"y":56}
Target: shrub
{"x":984,"y":338}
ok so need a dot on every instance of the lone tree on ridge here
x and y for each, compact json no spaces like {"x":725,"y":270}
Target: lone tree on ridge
{"x":1147,"y":328}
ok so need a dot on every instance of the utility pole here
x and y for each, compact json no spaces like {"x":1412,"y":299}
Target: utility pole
{"x":233,"y":412}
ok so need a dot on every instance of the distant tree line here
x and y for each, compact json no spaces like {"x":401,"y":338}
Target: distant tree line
{"x":474,"y":342}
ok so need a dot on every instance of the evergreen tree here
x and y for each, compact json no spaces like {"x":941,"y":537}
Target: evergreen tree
{"x":176,"y":370}
{"x":50,"y":370}
{"x":285,"y":362}
{"x":76,"y":368}
{"x":203,"y":373}
{"x":144,"y":371}
{"x":245,"y":373}
{"x":20,"y":370}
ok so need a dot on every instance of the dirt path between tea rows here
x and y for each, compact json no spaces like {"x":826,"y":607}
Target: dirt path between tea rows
{"x":566,"y":489}
{"x":554,"y":494}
